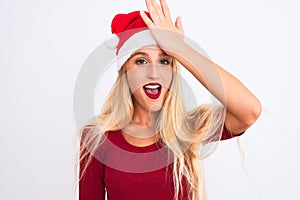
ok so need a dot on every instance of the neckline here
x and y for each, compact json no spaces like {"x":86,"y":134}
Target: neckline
{"x":155,"y":146}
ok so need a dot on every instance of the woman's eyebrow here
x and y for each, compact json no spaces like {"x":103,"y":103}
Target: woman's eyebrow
{"x":162,"y":53}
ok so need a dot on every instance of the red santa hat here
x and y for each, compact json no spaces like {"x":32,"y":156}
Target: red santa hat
{"x":132,"y":34}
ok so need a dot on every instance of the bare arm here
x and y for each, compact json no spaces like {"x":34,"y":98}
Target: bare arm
{"x":242,"y":107}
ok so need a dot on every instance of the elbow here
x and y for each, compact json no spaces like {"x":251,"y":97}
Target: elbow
{"x":247,"y":116}
{"x":254,"y":112}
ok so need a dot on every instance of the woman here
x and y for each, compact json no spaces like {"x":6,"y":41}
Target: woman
{"x":144,"y":144}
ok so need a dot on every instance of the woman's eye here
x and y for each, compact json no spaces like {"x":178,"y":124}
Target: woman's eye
{"x":141,"y":62}
{"x":164,"y":61}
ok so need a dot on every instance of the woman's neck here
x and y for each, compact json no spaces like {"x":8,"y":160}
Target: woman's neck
{"x":143,"y":117}
{"x":142,"y":130}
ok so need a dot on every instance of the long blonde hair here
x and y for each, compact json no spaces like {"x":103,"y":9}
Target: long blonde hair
{"x":183,"y":133}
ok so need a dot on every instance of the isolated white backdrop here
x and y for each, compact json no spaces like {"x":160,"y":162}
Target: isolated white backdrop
{"x":43,"y":45}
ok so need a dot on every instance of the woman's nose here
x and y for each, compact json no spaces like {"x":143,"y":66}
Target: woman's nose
{"x":153,"y":73}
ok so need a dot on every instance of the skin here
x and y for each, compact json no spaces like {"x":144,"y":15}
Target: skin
{"x":146,"y":65}
{"x":242,"y":107}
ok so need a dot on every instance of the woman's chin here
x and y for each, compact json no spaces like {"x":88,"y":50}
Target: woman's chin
{"x":155,"y":108}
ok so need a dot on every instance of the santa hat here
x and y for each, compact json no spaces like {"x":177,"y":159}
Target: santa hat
{"x":132,"y":34}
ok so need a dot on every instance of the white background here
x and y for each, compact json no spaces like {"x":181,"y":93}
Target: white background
{"x":43,"y":45}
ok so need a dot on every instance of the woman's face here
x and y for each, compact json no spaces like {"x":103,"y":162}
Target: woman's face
{"x":149,"y":74}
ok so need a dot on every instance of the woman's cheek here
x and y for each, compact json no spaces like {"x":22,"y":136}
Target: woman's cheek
{"x":136,"y":79}
{"x":167,"y":77}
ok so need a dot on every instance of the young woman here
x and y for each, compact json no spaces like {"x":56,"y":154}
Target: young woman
{"x":144,"y":144}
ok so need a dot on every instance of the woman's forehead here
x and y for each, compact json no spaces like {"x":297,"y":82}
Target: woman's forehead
{"x":152,"y":49}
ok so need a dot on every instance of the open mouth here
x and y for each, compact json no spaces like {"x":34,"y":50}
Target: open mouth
{"x":152,"y":90}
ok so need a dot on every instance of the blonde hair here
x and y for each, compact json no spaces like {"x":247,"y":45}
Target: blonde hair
{"x":183,"y":133}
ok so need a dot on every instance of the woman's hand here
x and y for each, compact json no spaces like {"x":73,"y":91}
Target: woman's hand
{"x":166,"y":33}
{"x":242,"y":107}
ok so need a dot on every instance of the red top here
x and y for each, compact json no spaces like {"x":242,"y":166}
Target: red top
{"x":129,"y":172}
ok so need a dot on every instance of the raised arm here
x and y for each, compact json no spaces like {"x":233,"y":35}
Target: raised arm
{"x":242,"y":107}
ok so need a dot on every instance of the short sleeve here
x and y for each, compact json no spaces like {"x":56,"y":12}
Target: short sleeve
{"x":227,"y":135}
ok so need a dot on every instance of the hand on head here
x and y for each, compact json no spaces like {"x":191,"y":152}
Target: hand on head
{"x":166,"y":33}
{"x":161,"y":17}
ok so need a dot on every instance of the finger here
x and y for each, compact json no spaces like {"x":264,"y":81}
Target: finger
{"x":146,"y":19}
{"x":178,"y":24}
{"x":155,"y":11}
{"x":165,"y":8}
{"x":152,"y":11}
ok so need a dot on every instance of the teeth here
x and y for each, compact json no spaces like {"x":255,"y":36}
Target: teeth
{"x":152,"y":86}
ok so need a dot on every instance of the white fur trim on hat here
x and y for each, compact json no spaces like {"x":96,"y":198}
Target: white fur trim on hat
{"x":135,"y":42}
{"x":112,"y":41}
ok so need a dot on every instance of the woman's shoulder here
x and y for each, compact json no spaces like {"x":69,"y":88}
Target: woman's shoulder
{"x":90,"y":131}
{"x":92,"y":137}
{"x":113,"y":135}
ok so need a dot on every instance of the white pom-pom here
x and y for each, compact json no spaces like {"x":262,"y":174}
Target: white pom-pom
{"x":112,"y":42}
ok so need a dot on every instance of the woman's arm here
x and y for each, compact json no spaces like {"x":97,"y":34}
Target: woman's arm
{"x":242,"y":107}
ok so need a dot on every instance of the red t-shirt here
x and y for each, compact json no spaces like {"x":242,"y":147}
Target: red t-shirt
{"x":128,"y":172}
